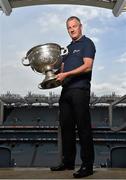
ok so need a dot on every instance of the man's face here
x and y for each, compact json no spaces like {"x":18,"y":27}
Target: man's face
{"x":74,"y":29}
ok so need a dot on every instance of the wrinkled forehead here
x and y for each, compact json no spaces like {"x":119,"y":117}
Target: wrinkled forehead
{"x":73,"y":21}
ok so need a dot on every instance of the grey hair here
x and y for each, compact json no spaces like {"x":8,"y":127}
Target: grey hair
{"x":73,"y":17}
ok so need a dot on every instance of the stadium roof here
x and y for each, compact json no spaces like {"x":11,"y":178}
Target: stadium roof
{"x":117,"y":6}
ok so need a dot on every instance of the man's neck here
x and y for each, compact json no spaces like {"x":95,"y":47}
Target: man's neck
{"x":77,"y":38}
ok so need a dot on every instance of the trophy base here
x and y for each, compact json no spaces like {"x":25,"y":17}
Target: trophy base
{"x":51,"y":83}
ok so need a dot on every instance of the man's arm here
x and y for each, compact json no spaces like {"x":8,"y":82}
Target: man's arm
{"x":87,"y":66}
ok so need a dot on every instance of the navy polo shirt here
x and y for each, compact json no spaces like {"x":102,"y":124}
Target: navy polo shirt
{"x":77,"y":50}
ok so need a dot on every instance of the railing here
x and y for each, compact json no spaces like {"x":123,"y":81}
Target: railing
{"x":1,"y":112}
{"x":111,"y":106}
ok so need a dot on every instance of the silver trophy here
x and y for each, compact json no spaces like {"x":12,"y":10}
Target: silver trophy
{"x":46,"y":59}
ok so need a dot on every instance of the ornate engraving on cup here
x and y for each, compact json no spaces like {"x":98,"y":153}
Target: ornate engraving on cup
{"x":46,"y":59}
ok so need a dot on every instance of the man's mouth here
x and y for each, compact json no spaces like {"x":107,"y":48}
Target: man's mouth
{"x":73,"y":33}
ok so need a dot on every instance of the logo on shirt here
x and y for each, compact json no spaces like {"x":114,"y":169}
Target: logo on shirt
{"x":76,"y":51}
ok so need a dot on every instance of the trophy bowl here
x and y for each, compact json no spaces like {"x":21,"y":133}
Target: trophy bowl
{"x":46,"y":59}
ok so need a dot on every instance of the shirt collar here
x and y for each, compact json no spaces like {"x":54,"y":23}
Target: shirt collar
{"x":80,"y":40}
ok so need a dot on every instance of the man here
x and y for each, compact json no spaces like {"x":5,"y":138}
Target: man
{"x":74,"y":101}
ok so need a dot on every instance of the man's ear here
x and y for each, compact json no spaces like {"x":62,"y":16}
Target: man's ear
{"x":81,"y":26}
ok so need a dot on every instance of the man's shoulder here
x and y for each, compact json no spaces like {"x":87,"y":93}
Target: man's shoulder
{"x":89,"y":42}
{"x":85,"y":38}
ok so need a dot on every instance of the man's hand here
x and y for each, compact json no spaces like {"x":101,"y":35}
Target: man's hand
{"x":61,"y":76}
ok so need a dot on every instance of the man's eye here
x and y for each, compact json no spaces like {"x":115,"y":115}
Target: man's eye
{"x":75,"y":26}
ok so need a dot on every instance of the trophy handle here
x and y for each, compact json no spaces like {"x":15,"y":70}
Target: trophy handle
{"x":64,"y":51}
{"x":39,"y":86}
{"x":24,"y":59}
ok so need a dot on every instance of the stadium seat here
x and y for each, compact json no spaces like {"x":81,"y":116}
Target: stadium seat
{"x":118,"y":157}
{"x":5,"y":157}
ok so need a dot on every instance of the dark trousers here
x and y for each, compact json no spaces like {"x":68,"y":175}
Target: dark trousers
{"x":75,"y":113}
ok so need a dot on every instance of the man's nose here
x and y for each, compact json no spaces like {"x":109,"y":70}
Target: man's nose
{"x":72,"y":30}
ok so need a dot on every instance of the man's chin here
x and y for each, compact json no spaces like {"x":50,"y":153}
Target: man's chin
{"x":74,"y":38}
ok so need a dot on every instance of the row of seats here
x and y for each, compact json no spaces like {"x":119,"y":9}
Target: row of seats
{"x":117,"y":157}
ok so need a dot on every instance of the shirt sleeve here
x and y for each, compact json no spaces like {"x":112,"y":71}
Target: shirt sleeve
{"x":89,"y":50}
